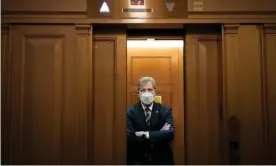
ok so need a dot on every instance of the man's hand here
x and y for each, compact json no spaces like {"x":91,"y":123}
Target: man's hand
{"x":166,"y":127}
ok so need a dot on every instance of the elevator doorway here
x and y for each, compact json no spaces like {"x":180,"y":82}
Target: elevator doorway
{"x":162,"y":60}
{"x":188,"y":80}
{"x":159,"y":53}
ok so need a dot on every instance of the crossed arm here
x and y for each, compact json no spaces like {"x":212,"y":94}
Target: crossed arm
{"x":166,"y":134}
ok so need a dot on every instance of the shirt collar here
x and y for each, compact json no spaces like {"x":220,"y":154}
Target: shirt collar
{"x":150,"y":107}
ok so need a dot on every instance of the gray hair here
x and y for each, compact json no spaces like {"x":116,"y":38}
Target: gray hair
{"x":144,"y":80}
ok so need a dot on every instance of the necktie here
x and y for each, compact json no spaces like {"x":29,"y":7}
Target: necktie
{"x":147,"y":115}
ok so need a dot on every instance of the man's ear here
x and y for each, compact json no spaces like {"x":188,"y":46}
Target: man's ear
{"x":138,"y":98}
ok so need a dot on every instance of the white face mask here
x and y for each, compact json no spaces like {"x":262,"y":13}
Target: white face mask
{"x":146,"y":98}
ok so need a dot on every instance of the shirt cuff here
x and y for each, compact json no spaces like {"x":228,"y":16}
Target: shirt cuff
{"x":147,"y":134}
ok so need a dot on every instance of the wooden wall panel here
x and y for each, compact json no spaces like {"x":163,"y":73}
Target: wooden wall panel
{"x":230,"y":97}
{"x":235,"y":5}
{"x":48,"y":122}
{"x":45,"y":6}
{"x":243,"y":94}
{"x":104,"y":88}
{"x":109,"y":101}
{"x":269,"y":82}
{"x":203,"y":98}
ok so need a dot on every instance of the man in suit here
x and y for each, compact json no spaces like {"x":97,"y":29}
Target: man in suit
{"x":150,"y":128}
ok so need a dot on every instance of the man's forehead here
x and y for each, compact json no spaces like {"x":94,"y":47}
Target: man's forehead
{"x":147,"y":85}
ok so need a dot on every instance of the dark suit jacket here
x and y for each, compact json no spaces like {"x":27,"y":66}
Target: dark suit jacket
{"x":155,"y":150}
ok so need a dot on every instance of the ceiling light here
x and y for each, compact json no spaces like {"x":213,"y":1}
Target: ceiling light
{"x":155,"y":43}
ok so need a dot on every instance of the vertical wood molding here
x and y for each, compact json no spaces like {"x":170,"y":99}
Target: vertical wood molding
{"x":5,"y":90}
{"x":84,"y":92}
{"x":120,"y":100}
{"x":191,"y":97}
{"x":243,"y":91}
{"x":264,"y":94}
{"x":181,"y":99}
{"x":268,"y":32}
{"x":230,"y":33}
{"x":230,"y":95}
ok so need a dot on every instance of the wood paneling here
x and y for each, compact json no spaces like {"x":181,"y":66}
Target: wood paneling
{"x":60,"y":108}
{"x":181,"y":7}
{"x":203,"y":98}
{"x":243,"y":93}
{"x":104,"y":89}
{"x":235,"y":5}
{"x":82,"y":11}
{"x":165,"y":65}
{"x":269,"y":82}
{"x":44,"y":6}
{"x":84,"y":93}
{"x":109,"y":84}
{"x":48,"y":122}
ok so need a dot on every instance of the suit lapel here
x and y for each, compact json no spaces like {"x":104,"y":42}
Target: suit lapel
{"x":154,"y":114}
